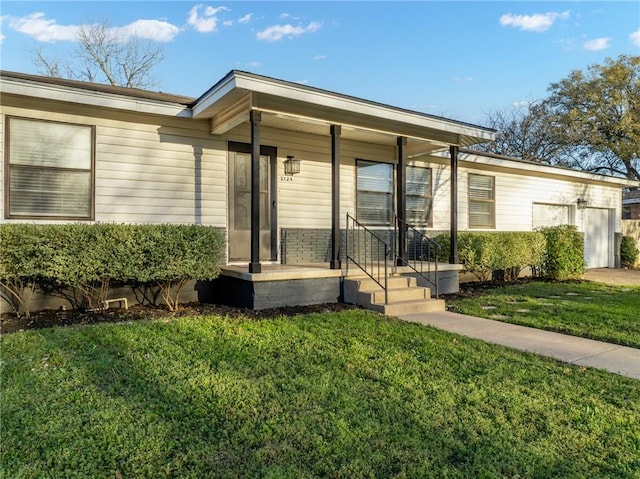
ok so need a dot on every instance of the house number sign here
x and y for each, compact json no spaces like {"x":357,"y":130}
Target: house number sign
{"x":285,"y":178}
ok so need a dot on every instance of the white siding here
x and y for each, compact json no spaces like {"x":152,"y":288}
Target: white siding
{"x":148,"y":169}
{"x":305,"y":201}
{"x":515,"y":195}
{"x":157,"y":169}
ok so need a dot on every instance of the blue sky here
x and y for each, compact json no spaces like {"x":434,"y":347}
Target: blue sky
{"x":455,"y":59}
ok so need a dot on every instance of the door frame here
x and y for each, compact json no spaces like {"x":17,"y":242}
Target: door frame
{"x":272,"y":153}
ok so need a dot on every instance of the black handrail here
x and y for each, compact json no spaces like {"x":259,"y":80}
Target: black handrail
{"x":416,"y":252}
{"x":368,"y":252}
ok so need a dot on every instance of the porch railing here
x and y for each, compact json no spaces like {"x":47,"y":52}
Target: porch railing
{"x":418,"y":253}
{"x":368,"y":252}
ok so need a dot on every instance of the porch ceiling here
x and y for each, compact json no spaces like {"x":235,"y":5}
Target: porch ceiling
{"x":317,"y":127}
{"x":289,"y":106}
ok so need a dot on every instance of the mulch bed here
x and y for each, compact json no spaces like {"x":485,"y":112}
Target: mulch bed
{"x":9,"y":323}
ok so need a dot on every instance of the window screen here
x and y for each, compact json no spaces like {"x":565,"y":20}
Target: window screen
{"x":49,"y":169}
{"x":418,"y":195}
{"x":481,"y":201}
{"x":375,"y":192}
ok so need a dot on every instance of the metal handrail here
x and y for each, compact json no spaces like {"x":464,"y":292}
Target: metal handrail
{"x":364,"y":250}
{"x":417,"y":260}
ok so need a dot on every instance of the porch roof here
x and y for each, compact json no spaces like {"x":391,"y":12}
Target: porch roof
{"x":291,"y":106}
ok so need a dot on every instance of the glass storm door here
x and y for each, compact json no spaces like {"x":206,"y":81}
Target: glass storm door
{"x":240,"y":207}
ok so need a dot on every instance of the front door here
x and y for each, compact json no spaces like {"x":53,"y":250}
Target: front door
{"x":240,"y":203}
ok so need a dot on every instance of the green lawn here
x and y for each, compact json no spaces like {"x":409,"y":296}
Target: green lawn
{"x":591,"y":310}
{"x":345,"y":395}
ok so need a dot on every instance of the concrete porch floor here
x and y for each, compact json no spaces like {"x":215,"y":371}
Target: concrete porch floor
{"x":275,"y":272}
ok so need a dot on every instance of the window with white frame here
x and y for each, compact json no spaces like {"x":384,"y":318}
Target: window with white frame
{"x":418,"y":195}
{"x":49,"y":169}
{"x":481,"y":201}
{"x":374,"y":200}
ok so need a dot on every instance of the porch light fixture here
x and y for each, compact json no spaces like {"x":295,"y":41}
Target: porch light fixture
{"x":582,"y":203}
{"x":291,"y":166}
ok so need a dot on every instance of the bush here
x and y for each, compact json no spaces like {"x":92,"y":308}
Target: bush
{"x":628,"y":252}
{"x":171,"y":255}
{"x":482,"y":253}
{"x":564,"y":253}
{"x":81,"y":261}
{"x":23,"y":249}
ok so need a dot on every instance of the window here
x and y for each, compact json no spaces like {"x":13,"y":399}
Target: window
{"x":481,"y":201}
{"x":374,"y":203}
{"x":49,"y":169}
{"x":418,"y":195}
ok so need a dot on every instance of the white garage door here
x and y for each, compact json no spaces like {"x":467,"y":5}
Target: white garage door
{"x":550,"y":215}
{"x":597,"y":237}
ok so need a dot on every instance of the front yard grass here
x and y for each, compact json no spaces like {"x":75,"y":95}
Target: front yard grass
{"x":591,"y":310}
{"x":348,"y":394}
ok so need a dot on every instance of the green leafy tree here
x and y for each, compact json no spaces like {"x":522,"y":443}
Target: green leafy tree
{"x":597,"y":113}
{"x":589,"y":121}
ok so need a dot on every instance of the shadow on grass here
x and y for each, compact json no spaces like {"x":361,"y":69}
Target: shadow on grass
{"x":342,"y":395}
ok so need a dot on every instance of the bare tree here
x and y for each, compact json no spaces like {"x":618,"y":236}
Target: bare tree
{"x":105,"y":55}
{"x":526,"y":132}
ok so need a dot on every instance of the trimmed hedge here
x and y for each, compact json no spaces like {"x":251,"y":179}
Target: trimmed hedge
{"x":628,"y":252}
{"x":482,"y":253}
{"x":86,"y":259}
{"x":564,"y":253}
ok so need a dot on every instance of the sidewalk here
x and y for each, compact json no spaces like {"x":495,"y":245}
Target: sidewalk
{"x":617,"y":359}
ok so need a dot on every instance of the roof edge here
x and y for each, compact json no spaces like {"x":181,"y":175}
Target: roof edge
{"x":101,"y":88}
{"x":560,"y":169}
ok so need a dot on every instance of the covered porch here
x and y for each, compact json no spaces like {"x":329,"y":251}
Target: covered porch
{"x":296,"y":218}
{"x":301,"y":284}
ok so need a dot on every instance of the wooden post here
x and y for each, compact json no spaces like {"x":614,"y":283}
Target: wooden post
{"x":255,"y":117}
{"x":453,"y":255}
{"x":336,"y":130}
{"x":401,"y":195}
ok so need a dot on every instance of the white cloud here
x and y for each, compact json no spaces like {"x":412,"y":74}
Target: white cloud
{"x":277,"y":32}
{"x":520,"y":104}
{"x":2,"y":37}
{"x":204,"y":18}
{"x":227,"y":23}
{"x":538,"y":22}
{"x":597,"y":44}
{"x":568,"y":44}
{"x":635,"y":37}
{"x":252,"y":64}
{"x":246,"y":19}
{"x":303,"y":82}
{"x":36,"y":25}
{"x":462,"y":79}
{"x":157,"y":30}
{"x":319,"y":57}
{"x":43,"y":29}
{"x":286,"y":16}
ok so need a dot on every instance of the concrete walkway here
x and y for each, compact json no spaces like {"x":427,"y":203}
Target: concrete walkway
{"x":570,"y":349}
{"x":620,"y":277}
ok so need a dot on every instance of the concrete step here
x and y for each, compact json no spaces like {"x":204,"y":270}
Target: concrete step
{"x":364,"y":283}
{"x":404,"y":295}
{"x":408,"y":307}
{"x":394,"y":295}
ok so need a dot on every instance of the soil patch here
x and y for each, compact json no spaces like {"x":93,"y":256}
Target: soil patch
{"x":9,"y":323}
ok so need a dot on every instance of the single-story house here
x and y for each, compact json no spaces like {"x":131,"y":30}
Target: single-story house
{"x":288,"y":172}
